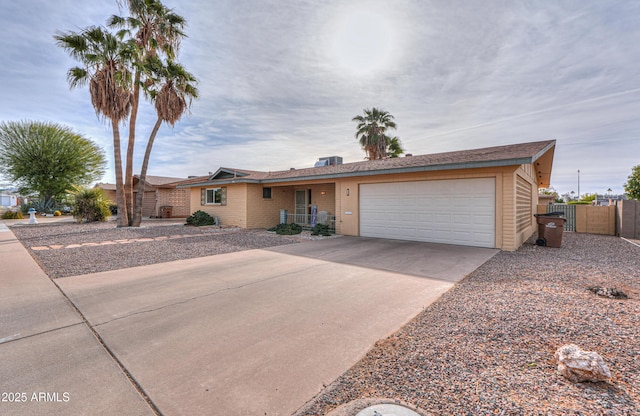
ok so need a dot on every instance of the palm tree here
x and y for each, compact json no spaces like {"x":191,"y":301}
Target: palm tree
{"x":103,"y":56}
{"x":171,"y":101}
{"x":154,"y":28}
{"x":371,"y":132}
{"x":394,"y":147}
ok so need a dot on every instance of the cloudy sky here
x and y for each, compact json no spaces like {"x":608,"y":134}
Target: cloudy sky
{"x":281,"y":80}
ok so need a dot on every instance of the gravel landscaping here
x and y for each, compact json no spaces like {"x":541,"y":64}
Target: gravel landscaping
{"x":487,"y":346}
{"x":69,"y":249}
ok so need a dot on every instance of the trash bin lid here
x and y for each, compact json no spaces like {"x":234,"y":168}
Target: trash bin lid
{"x":550,"y":214}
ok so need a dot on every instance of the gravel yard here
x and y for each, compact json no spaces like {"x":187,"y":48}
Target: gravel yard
{"x":487,"y":346}
{"x":69,"y":249}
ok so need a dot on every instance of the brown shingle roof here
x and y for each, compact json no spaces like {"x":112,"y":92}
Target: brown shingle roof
{"x":160,"y":181}
{"x":515,"y":154}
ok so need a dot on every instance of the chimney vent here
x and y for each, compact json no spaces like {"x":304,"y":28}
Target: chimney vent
{"x":408,"y":155}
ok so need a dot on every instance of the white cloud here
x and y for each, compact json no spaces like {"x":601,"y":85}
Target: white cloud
{"x":277,"y":90}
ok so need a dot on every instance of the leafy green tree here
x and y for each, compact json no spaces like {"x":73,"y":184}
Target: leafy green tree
{"x":48,"y":159}
{"x":632,"y":186}
{"x":589,"y":197}
{"x":551,"y":191}
{"x":144,"y":45}
{"x":371,"y":132}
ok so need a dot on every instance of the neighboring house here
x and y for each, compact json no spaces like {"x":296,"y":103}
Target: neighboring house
{"x":109,"y":190}
{"x":8,"y":201}
{"x":544,"y":199}
{"x":483,"y":197}
{"x":159,"y":192}
{"x":606,"y":200}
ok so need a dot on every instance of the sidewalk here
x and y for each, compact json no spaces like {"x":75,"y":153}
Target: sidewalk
{"x":51,"y":361}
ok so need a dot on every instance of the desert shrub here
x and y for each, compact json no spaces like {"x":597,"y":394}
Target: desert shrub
{"x":287,"y":229}
{"x":321,"y":229}
{"x":89,"y":204}
{"x":200,"y":218}
{"x":57,"y":214}
{"x":10,"y":215}
{"x":43,"y":205}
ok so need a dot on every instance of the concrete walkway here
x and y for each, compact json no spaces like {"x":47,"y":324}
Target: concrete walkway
{"x":51,"y":363}
{"x":256,"y":332}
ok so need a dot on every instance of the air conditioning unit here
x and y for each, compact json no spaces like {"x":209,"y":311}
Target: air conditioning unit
{"x":328,"y":161}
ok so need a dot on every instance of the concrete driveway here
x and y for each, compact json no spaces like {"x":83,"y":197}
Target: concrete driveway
{"x":260,"y":332}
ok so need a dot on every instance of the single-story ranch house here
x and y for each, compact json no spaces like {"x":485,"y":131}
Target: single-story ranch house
{"x":160,"y":194}
{"x":482,"y":197}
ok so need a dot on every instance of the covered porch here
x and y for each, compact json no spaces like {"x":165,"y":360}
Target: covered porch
{"x":307,"y":204}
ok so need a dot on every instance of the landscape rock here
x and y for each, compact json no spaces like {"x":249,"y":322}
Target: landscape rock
{"x":608,"y":292}
{"x":578,"y":365}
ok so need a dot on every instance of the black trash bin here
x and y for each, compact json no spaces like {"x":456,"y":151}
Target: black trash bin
{"x":550,"y":229}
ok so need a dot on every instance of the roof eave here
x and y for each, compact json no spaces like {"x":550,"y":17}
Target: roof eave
{"x":544,"y":150}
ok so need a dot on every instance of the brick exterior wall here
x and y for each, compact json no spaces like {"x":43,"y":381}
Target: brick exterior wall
{"x":176,"y":198}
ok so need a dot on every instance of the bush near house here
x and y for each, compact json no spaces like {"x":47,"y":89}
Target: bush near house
{"x":90,"y":204}
{"x":321,"y":229}
{"x":200,"y":218}
{"x":286,"y":229}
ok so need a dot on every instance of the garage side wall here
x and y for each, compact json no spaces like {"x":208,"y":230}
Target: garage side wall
{"x":525,"y":200}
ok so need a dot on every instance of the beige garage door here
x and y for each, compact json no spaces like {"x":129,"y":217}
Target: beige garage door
{"x":457,"y":211}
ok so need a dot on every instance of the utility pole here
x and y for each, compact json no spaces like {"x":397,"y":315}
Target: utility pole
{"x":578,"y":184}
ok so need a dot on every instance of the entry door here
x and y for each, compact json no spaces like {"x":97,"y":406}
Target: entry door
{"x":301,"y":206}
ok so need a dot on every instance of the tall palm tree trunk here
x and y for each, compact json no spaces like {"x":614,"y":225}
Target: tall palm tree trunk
{"x":117,"y":155}
{"x":128,"y":184}
{"x":137,"y":217}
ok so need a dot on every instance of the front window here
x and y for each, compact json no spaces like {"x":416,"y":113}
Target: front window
{"x":214,"y":196}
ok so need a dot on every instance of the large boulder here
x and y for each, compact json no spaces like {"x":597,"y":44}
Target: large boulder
{"x":578,"y":365}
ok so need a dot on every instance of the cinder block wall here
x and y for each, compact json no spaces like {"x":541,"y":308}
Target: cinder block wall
{"x":234,"y":213}
{"x":265,"y":212}
{"x":596,"y":219}
{"x":176,"y":198}
{"x":628,"y":215}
